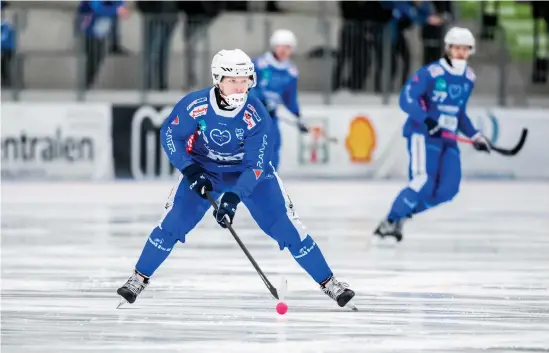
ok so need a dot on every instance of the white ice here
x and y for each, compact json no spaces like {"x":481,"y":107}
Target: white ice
{"x":470,"y":276}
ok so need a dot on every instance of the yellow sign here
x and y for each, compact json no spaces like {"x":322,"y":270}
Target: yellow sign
{"x":361,"y":140}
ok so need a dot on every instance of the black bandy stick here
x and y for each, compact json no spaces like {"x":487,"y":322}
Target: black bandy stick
{"x":503,"y":151}
{"x":271,"y":288}
{"x":513,"y":151}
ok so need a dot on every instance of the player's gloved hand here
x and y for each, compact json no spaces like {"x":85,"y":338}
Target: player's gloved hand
{"x":198,"y":179}
{"x":302,"y":127}
{"x":227,"y":207}
{"x":433,"y":128}
{"x":480,"y":143}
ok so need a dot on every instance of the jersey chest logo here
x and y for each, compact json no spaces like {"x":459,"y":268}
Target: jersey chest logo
{"x":220,"y":137}
{"x":195,"y":102}
{"x":455,"y":91}
{"x":254,"y":112}
{"x":248,"y":120}
{"x":199,"y":110}
{"x":439,"y":92}
{"x":239,"y":133}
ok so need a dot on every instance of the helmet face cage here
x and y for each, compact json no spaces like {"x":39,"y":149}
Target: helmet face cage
{"x":472,"y":47}
{"x":253,"y":80}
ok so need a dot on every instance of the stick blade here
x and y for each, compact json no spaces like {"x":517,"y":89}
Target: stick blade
{"x":515,"y":150}
{"x":273,"y":291}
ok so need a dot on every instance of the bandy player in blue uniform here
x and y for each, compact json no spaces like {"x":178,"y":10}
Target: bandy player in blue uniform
{"x":435,"y":99}
{"x":277,"y":83}
{"x":220,"y":138}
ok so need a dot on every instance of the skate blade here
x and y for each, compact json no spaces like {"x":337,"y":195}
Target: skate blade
{"x":387,"y":241}
{"x":122,"y":302}
{"x":351,"y":306}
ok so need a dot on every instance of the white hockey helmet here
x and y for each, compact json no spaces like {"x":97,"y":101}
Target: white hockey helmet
{"x":283,"y":37}
{"x":233,"y":63}
{"x":460,"y":36}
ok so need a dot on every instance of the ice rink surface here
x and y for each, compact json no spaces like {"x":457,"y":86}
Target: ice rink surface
{"x":471,"y":276}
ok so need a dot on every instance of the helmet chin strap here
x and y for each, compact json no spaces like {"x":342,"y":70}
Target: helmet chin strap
{"x":457,"y":64}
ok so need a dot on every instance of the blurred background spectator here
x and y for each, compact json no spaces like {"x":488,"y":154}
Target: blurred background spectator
{"x":95,"y":20}
{"x":198,"y":15}
{"x":362,"y":36}
{"x":8,"y":46}
{"x":359,"y":46}
{"x":272,"y":6}
{"x":432,"y":34}
{"x":160,"y":18}
{"x":406,"y":14}
{"x":115,"y":47}
{"x":360,"y":42}
{"x":540,"y":11}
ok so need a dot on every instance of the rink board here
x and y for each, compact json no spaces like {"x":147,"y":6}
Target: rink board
{"x":370,"y":144}
{"x":64,"y":140}
{"x":126,"y":143}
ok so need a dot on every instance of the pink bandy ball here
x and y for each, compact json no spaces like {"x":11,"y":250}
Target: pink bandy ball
{"x":281,"y":308}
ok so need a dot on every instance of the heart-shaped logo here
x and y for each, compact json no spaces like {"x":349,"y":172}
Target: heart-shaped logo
{"x":455,"y":91}
{"x":220,"y":137}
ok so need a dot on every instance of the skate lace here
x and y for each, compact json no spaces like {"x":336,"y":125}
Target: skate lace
{"x":334,"y":288}
{"x":135,"y":284}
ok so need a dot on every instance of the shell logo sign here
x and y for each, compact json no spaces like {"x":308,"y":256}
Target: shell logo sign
{"x":361,"y":140}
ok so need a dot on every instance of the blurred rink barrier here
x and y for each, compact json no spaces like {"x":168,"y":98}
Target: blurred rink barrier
{"x":92,"y":141}
{"x":56,"y":141}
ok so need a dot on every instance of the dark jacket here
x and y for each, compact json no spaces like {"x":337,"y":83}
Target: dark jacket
{"x":371,"y":11}
{"x":540,"y":9}
{"x":157,"y":6}
{"x":201,"y":8}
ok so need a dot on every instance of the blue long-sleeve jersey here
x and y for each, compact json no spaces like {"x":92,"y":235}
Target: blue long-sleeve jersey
{"x":8,"y":37}
{"x":404,"y":11}
{"x":95,"y":17}
{"x":408,"y":9}
{"x":439,"y":92}
{"x":7,"y":31}
{"x":198,"y":131}
{"x":277,"y":83}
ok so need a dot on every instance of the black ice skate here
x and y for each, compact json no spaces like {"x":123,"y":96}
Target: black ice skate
{"x":390,"y":229}
{"x":339,"y":292}
{"x":131,"y":289}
